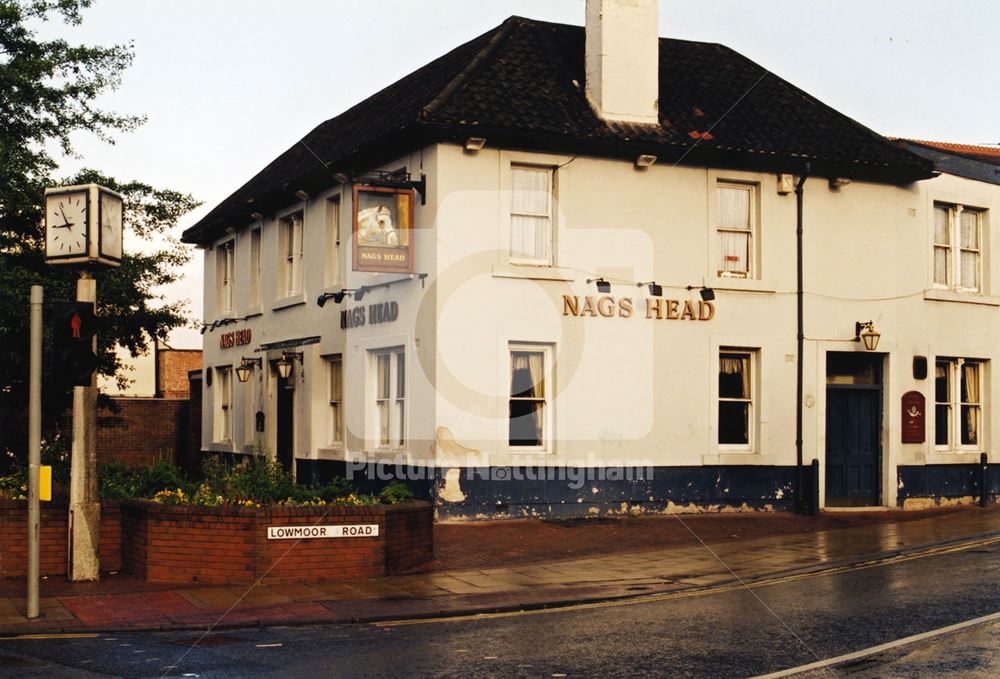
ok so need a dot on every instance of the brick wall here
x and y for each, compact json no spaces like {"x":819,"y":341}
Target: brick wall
{"x":165,"y":543}
{"x":52,"y":538}
{"x":173,"y":366}
{"x":143,"y":431}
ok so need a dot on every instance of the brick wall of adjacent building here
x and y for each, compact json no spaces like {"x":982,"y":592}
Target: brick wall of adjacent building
{"x":52,"y":538}
{"x":165,"y":543}
{"x":142,"y":431}
{"x":172,"y":369}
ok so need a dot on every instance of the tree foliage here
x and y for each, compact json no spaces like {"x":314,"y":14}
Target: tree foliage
{"x":49,"y":92}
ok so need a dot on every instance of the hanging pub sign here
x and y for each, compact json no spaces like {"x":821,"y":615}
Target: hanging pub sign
{"x":383,"y":223}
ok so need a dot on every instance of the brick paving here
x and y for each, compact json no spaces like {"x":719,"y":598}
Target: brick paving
{"x":515,"y":564}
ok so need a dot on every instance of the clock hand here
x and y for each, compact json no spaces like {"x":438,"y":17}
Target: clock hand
{"x":66,"y":222}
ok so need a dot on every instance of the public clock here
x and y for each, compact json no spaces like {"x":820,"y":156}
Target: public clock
{"x":83,"y":226}
{"x":67,"y":224}
{"x":110,"y":225}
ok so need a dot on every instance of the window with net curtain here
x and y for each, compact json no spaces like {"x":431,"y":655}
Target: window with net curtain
{"x":735,"y":398}
{"x":531,"y":215}
{"x":957,"y":247}
{"x":735,"y":228}
{"x":390,"y":397}
{"x":336,"y":395}
{"x":527,"y":399}
{"x":957,"y":393}
{"x":226,"y":266}
{"x":292,"y":264}
{"x":224,"y":404}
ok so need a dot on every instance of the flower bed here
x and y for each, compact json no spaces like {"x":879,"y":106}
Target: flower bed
{"x":229,"y":544}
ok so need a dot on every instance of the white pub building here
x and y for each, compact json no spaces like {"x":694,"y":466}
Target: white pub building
{"x":568,"y":271}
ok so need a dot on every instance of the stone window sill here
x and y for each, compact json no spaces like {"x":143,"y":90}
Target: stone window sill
{"x":939,"y":295}
{"x":527,"y":271}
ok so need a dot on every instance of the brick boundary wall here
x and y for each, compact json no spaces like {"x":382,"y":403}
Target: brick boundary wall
{"x":54,"y":517}
{"x":172,"y":543}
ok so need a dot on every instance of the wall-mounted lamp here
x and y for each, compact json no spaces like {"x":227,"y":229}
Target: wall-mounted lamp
{"x":302,"y":195}
{"x":257,"y":216}
{"x":645,"y":160}
{"x":655,"y":289}
{"x":245,"y":369}
{"x":837,"y":182}
{"x":341,"y":177}
{"x":284,"y":364}
{"x":602,"y":285}
{"x":475,"y":144}
{"x":707,"y":293}
{"x":337,"y":297}
{"x":865,"y":332}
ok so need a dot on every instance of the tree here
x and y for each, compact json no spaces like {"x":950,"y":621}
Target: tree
{"x":48,"y":93}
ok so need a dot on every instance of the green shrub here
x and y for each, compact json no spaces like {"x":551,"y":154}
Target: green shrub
{"x":337,"y":488}
{"x":114,"y":481}
{"x":395,"y":492}
{"x":161,"y":475}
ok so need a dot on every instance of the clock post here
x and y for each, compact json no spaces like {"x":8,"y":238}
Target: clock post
{"x":84,"y":532}
{"x":83,"y":229}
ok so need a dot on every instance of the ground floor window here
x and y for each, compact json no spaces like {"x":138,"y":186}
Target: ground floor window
{"x":736,"y":398}
{"x":335,"y":368}
{"x":528,"y":405}
{"x":223,"y":404}
{"x":958,"y":403}
{"x":390,"y":397}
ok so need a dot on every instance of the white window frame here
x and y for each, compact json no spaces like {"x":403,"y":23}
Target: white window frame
{"x":548,"y":378}
{"x":549,"y":258}
{"x":753,"y":232}
{"x":291,"y":254}
{"x":332,"y":266}
{"x":956,"y":406}
{"x":225,"y":273}
{"x":394,"y":400}
{"x":255,"y":254}
{"x":223,"y":425}
{"x":335,"y":397}
{"x":752,"y":400}
{"x":954,"y":249}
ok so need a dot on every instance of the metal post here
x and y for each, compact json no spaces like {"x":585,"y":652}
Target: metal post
{"x":34,"y":445}
{"x":84,"y":504}
{"x":800,"y":499}
{"x":815,"y":487}
{"x":984,"y":478}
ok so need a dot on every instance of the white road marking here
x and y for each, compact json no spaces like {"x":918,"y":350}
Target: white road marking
{"x":269,"y":645}
{"x":881,"y":647}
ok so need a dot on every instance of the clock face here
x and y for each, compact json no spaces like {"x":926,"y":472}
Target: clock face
{"x":66,"y":224}
{"x":111,"y":226}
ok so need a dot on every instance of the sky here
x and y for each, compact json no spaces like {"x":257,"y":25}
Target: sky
{"x":227,"y":85}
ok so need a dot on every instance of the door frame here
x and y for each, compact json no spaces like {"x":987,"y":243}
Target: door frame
{"x":884,"y":468}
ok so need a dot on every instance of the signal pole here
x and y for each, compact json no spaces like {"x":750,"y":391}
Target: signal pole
{"x":84,"y":503}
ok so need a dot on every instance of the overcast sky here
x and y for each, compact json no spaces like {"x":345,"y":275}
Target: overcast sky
{"x":227,"y":85}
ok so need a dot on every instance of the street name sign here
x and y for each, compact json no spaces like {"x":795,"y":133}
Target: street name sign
{"x":363,"y":530}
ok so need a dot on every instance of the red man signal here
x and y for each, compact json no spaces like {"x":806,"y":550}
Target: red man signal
{"x":73,"y":328}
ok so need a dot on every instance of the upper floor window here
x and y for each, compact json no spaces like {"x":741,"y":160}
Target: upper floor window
{"x":225,"y":265}
{"x":531,"y":215}
{"x":291,"y":236}
{"x":737,"y":229}
{"x":958,"y":233}
{"x":331,"y":274}
{"x":255,"y":267}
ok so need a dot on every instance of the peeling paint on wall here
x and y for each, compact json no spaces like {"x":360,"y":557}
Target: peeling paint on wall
{"x":451,"y":490}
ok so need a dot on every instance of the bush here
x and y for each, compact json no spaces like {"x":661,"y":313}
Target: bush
{"x":395,"y":492}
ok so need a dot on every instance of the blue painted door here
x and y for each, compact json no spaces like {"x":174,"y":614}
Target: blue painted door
{"x":853,"y":444}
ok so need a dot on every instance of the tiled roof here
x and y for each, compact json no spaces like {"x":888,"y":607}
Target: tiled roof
{"x":986,"y":154}
{"x":521,"y":85}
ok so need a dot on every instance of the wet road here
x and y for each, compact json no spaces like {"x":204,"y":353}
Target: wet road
{"x":732,"y":633}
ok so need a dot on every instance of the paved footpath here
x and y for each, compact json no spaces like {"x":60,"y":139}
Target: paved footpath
{"x":514,"y":565}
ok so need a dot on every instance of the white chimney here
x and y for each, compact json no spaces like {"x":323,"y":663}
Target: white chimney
{"x":622,"y":59}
